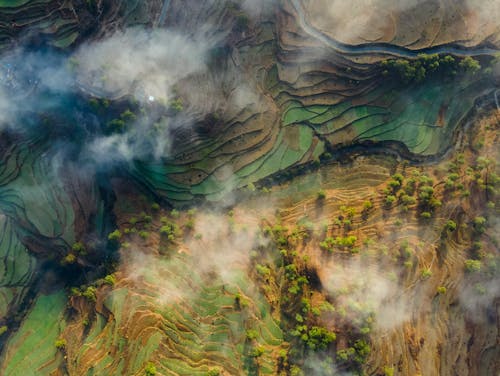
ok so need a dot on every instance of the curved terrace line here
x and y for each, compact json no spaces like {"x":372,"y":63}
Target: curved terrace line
{"x":384,"y":48}
{"x":164,"y":11}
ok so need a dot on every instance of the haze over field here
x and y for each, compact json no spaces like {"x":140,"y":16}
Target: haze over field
{"x":268,"y":187}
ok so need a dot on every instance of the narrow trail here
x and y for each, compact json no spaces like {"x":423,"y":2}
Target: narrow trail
{"x":164,"y":12}
{"x":383,"y":48}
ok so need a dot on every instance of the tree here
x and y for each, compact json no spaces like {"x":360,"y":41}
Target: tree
{"x":450,"y":226}
{"x":469,"y":64}
{"x":321,"y":195}
{"x":318,"y":338}
{"x":479,"y":224}
{"x":472,"y":266}
{"x":60,"y":344}
{"x":150,"y":369}
{"x":115,"y":236}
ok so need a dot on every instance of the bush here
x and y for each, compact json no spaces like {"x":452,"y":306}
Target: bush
{"x":394,"y":185}
{"x":451,"y":226}
{"x":69,"y":259}
{"x":115,"y":236}
{"x":110,"y":279}
{"x":426,"y":215}
{"x":318,"y":338}
{"x":296,"y":371}
{"x":469,"y":64}
{"x":3,"y":329}
{"x":90,"y":294}
{"x":472,"y":266}
{"x":441,"y":290}
{"x":60,"y":344}
{"x":408,"y":200}
{"x":150,"y":369}
{"x":78,"y":248}
{"x":479,"y":224}
{"x":426,"y":273}
{"x":257,"y":351}
{"x":367,"y":205}
{"x":398,"y":177}
{"x":321,"y":195}
{"x":389,"y":200}
{"x":362,"y":349}
{"x":251,"y":334}
{"x":389,"y":371}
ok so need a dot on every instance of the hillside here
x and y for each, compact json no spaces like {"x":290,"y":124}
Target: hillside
{"x":289,"y":187}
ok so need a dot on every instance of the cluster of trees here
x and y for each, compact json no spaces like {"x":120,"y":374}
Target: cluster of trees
{"x":341,"y":242}
{"x":424,"y":66}
{"x":416,"y":190}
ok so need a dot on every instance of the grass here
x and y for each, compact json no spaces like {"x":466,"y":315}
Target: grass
{"x":40,"y":330}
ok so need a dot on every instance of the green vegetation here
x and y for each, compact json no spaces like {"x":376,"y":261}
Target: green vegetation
{"x":150,"y":369}
{"x":450,"y":226}
{"x":347,"y":242}
{"x":473,"y":266}
{"x":318,"y":338}
{"x":60,"y":344}
{"x":441,"y":290}
{"x":428,"y":66}
{"x":90,"y":294}
{"x":115,"y":236}
{"x":321,"y":195}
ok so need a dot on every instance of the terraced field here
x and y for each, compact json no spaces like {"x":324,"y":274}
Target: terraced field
{"x":320,"y":99}
{"x":318,"y":200}
{"x":186,"y":325}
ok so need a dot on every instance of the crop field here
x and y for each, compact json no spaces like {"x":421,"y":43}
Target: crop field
{"x":291,"y":188}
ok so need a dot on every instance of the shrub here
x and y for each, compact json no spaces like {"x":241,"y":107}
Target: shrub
{"x":394,"y":185}
{"x":115,"y":236}
{"x":426,"y":215}
{"x":60,"y":344}
{"x":472,"y":266}
{"x":251,"y":334}
{"x":362,"y":349}
{"x":90,"y":294}
{"x":450,"y":225}
{"x":321,"y":195}
{"x":128,"y":115}
{"x":257,"y":351}
{"x":367,"y":205}
{"x":408,"y":200}
{"x":388,"y":371}
{"x":213,"y":372}
{"x":469,"y":64}
{"x":150,"y":369}
{"x":110,"y":279}
{"x":398,"y":177}
{"x":69,"y":259}
{"x":263,"y":270}
{"x":426,"y":273}
{"x":78,"y":248}
{"x":389,"y":200}
{"x":3,"y":329}
{"x":479,"y":224}
{"x":441,"y":290}
{"x":318,"y":338}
